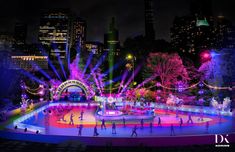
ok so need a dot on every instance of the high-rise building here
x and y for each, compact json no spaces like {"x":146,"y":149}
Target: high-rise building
{"x":149,"y":20}
{"x":190,"y":35}
{"x":196,"y":31}
{"x":6,"y":42}
{"x":78,"y":32}
{"x":94,"y":47}
{"x":225,"y":33}
{"x":61,"y":30}
{"x":20,"y":34}
{"x":111,"y":40}
{"x":29,"y":62}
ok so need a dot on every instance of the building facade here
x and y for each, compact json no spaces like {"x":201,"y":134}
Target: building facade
{"x":111,"y":40}
{"x":20,"y":34}
{"x":94,"y":47}
{"x":200,"y":30}
{"x":29,"y":62}
{"x":60,"y":30}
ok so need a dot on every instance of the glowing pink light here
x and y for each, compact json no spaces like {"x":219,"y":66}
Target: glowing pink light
{"x":206,"y":55}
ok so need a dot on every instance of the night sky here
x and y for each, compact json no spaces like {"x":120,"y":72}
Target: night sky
{"x":129,"y":15}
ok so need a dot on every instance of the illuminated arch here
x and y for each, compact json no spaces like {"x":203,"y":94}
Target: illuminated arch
{"x":87,"y":90}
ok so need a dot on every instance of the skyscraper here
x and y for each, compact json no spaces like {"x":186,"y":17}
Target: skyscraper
{"x":225,"y":31}
{"x":60,"y":30}
{"x":111,"y":39}
{"x":149,"y":20}
{"x":196,"y":31}
{"x":20,"y":33}
{"x":78,"y":32}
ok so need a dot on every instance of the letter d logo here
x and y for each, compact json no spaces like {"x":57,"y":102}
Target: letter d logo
{"x":217,"y":137}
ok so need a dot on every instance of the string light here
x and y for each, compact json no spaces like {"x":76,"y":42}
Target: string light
{"x":216,"y":87}
{"x":194,"y":85}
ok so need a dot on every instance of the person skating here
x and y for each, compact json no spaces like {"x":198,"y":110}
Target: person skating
{"x":207,"y":126}
{"x":114,"y":128}
{"x":134,"y":131}
{"x":80,"y":129}
{"x":201,"y":115}
{"x":96,"y":131}
{"x":181,"y":122}
{"x":103,"y":124}
{"x":81,"y":115}
{"x":190,"y":119}
{"x":71,"y":119}
{"x":142,"y":123}
{"x":124,"y":121}
{"x":151,"y":127}
{"x":159,"y":121}
{"x":172,"y":130}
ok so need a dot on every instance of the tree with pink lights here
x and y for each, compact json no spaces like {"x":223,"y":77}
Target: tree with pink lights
{"x":131,"y":95}
{"x":168,"y":68}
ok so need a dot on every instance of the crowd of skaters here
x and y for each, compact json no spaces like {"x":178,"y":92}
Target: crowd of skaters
{"x":134,"y":129}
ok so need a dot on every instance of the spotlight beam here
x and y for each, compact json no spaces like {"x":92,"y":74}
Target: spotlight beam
{"x":41,"y":70}
{"x":146,"y":81}
{"x":131,"y":78}
{"x":112,"y":81}
{"x":29,"y":75}
{"x":100,"y":61}
{"x":87,"y":63}
{"x":123,"y":79}
{"x":62,"y":67}
{"x":114,"y":67}
{"x":49,"y":62}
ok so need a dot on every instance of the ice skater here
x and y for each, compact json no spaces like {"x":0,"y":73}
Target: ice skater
{"x":201,"y":115}
{"x":177,"y":113}
{"x":181,"y":122}
{"x":151,"y":127}
{"x":124,"y":121}
{"x":166,"y":112}
{"x":114,"y":128}
{"x":207,"y":126}
{"x":81,"y":115}
{"x":159,"y":122}
{"x":142,"y":123}
{"x":63,"y":118}
{"x":103,"y":124}
{"x":172,"y":130}
{"x":95,"y":131}
{"x":220,"y":117}
{"x":71,"y":119}
{"x":80,"y":129}
{"x":134,"y":131}
{"x":190,"y":118}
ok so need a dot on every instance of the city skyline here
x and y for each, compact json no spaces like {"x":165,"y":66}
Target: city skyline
{"x":129,"y":16}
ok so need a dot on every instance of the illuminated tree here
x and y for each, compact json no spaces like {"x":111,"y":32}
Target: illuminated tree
{"x":167,"y":68}
{"x":219,"y":71}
